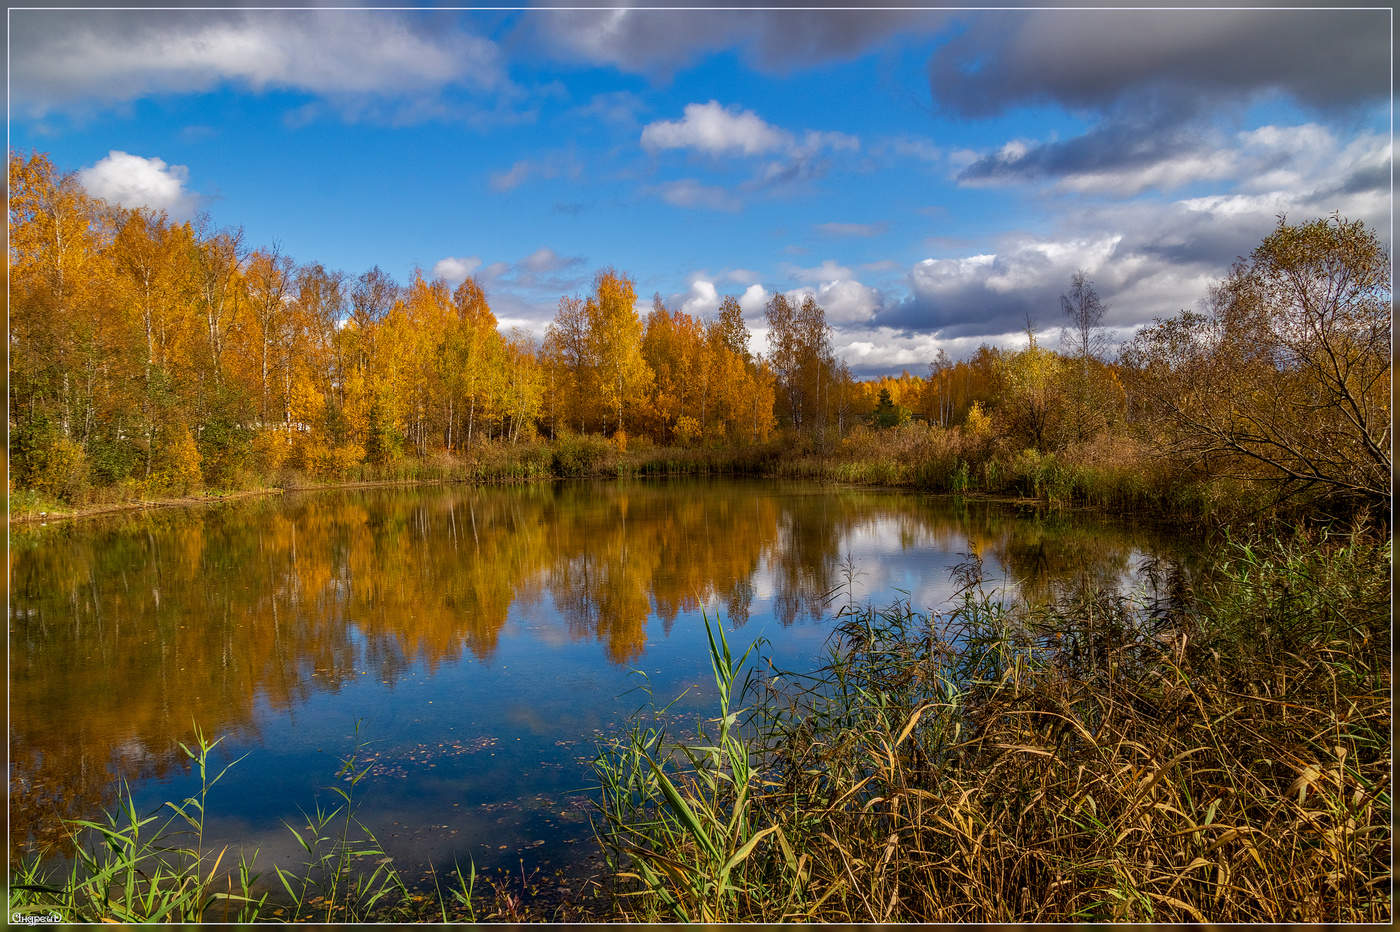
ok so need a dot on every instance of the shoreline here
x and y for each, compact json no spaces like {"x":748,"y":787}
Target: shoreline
{"x":190,"y":501}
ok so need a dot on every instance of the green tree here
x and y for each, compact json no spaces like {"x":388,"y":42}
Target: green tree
{"x":887,"y":413}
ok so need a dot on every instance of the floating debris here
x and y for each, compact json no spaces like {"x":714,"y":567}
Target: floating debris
{"x":396,"y":764}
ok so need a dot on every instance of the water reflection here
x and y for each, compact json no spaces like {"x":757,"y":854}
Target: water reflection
{"x":125,"y":631}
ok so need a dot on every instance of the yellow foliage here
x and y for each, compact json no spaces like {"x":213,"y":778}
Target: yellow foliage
{"x":687,"y":429}
{"x":64,"y":471}
{"x":179,"y":471}
{"x":977,"y":423}
{"x":270,"y":450}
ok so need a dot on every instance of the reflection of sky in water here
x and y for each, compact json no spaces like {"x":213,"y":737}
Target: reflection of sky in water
{"x":479,"y":642}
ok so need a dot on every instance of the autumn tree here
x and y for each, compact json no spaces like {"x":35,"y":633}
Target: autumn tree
{"x":1286,"y":376}
{"x":320,"y":302}
{"x":473,"y":358}
{"x":615,"y":344}
{"x":151,"y":264}
{"x":1084,"y":340}
{"x":269,"y":280}
{"x":729,"y":327}
{"x":570,"y":366}
{"x":1031,"y":389}
{"x":63,"y":339}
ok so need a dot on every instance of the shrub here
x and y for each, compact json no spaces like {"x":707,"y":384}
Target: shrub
{"x":577,"y":455}
{"x":61,"y":470}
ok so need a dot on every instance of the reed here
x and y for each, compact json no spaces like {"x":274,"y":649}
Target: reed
{"x":156,"y":868}
{"x":1204,"y":750}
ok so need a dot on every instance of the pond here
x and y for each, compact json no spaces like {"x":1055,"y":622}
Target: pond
{"x":474,"y":644}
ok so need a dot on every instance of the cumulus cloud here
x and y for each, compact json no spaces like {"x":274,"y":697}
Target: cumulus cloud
{"x":992,"y":293}
{"x":702,"y":300}
{"x":455,"y":270}
{"x":705,"y":295}
{"x":62,"y":58}
{"x":134,"y":181}
{"x":876,"y":351}
{"x":1148,"y":259}
{"x":754,"y":301}
{"x":1116,"y":158}
{"x":1162,"y":59}
{"x":845,"y":301}
{"x":716,"y":130}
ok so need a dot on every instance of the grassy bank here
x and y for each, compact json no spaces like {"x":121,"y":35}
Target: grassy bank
{"x":1110,"y":473}
{"x":1210,"y":749}
{"x":1116,"y":476}
{"x":573,"y":457}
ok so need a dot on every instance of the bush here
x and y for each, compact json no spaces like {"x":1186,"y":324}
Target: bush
{"x":61,"y":470}
{"x":177,"y":471}
{"x":270,"y":449}
{"x":578,"y":455}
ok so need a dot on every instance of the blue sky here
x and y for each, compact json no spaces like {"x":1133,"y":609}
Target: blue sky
{"x":933,"y":177}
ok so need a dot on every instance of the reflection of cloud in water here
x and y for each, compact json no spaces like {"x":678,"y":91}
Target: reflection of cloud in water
{"x":266,"y":605}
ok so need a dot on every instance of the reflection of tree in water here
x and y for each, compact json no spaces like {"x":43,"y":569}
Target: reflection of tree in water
{"x":127,"y":630}
{"x":1042,"y":553}
{"x":624,"y":554}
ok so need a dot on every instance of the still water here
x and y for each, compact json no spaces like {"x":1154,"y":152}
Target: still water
{"x":478,"y":642}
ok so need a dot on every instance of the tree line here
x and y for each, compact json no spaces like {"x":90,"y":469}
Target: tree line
{"x":161,"y":356}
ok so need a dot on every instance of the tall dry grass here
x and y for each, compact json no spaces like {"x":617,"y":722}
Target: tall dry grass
{"x":1212,"y":752}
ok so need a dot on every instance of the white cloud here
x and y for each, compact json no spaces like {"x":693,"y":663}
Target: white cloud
{"x":704,"y":296}
{"x":713,"y":129}
{"x":845,"y":301}
{"x":1121,"y":161}
{"x":67,"y":57}
{"x":1165,"y":175}
{"x":133,"y":181}
{"x":702,"y":300}
{"x":871,"y":351}
{"x":754,"y":301}
{"x":935,"y":275}
{"x":454,"y":270}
